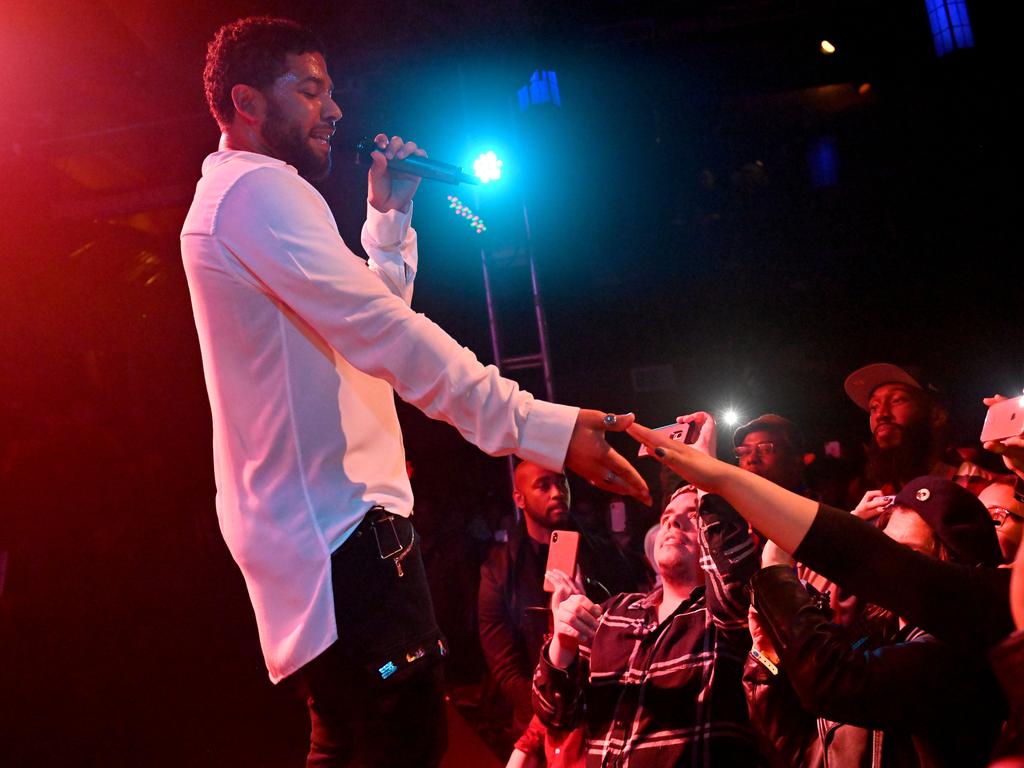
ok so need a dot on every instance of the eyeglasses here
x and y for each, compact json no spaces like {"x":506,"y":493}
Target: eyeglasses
{"x":766,"y":448}
{"x":999,"y":515}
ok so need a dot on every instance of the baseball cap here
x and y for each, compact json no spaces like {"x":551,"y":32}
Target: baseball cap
{"x":861,"y":383}
{"x":958,"y":519}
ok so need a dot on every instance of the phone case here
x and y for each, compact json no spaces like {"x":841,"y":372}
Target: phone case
{"x":562,"y":555}
{"x":1004,"y":419}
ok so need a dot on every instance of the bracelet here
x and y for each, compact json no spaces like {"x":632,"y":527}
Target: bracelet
{"x":768,"y":664}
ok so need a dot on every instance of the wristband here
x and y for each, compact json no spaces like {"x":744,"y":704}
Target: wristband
{"x":764,"y":660}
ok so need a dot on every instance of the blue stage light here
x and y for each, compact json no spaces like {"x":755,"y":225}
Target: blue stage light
{"x":487,"y":167}
{"x":542,"y":89}
{"x":823,"y":162}
{"x":951,"y":27}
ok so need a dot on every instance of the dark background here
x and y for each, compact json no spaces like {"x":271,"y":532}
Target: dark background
{"x":674,"y":223}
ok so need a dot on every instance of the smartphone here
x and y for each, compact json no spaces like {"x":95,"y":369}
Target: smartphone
{"x":562,"y":553}
{"x":617,"y":516}
{"x":1004,"y":419}
{"x":686,"y":432}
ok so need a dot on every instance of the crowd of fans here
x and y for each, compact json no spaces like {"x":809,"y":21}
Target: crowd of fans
{"x":768,"y":619}
{"x":776,"y":614}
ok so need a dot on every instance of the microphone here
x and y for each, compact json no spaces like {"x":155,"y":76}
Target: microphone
{"x":415,"y":165}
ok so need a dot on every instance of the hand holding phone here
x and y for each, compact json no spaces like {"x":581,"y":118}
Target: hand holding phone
{"x":1005,"y":419}
{"x":686,"y":433}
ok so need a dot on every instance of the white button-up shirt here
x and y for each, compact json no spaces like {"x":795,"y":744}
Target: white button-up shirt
{"x":303,"y":347}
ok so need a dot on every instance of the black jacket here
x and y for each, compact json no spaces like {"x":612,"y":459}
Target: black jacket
{"x":890,"y":697}
{"x":514,"y":609}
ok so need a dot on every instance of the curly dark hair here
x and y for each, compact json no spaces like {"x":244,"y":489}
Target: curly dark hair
{"x":251,"y":51}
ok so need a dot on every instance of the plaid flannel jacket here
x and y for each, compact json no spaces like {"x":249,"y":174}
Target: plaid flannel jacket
{"x":669,"y":694}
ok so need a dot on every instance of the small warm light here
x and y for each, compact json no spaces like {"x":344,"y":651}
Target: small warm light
{"x":864,"y":88}
{"x":730,"y":417}
{"x":487,"y":167}
{"x":827,"y":47}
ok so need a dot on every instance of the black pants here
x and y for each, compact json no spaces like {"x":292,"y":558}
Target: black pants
{"x":375,"y":696}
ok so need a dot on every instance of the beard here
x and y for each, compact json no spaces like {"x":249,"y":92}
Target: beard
{"x":896,"y":464}
{"x":292,"y":145}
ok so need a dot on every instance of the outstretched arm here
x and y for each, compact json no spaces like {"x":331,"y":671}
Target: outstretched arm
{"x":967,"y":607}
{"x":781,"y":515}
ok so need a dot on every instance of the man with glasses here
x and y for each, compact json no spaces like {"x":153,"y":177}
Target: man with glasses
{"x":1006,"y":506}
{"x":771,"y":447}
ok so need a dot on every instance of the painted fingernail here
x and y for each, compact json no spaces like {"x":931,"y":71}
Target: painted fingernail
{"x":659,"y":452}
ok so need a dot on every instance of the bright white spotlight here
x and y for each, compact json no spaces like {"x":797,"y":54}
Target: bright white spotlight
{"x":487,"y":167}
{"x":730,"y":417}
{"x":827,"y":47}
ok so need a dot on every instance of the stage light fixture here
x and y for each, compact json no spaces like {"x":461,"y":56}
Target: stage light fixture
{"x":827,"y":48}
{"x":951,"y":26}
{"x":730,"y":417}
{"x":487,"y":167}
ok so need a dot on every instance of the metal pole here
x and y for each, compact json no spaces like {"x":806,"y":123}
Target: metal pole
{"x":492,"y":321}
{"x":538,"y":310}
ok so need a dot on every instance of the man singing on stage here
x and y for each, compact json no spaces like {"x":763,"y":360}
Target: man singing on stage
{"x":303,"y":346}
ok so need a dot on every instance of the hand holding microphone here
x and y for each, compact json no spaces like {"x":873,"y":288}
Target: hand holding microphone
{"x":415,"y":163}
{"x":389,"y":190}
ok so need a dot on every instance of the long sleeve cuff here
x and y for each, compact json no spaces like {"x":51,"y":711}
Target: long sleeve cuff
{"x":557,"y":692}
{"x":386,"y":230}
{"x":545,"y":435}
{"x":390,"y":242}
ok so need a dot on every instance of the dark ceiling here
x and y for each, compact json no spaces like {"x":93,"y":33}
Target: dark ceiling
{"x":673,"y":181}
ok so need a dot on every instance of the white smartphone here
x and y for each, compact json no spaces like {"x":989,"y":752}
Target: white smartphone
{"x":685,"y":432}
{"x":1004,"y":419}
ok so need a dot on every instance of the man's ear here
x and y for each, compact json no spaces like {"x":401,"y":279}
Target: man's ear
{"x":519,"y":499}
{"x":250,"y":103}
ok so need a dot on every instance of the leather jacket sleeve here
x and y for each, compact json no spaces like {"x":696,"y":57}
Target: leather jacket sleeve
{"x":901,"y":685}
{"x":502,"y":643}
{"x":787,"y":734}
{"x":558,"y":693}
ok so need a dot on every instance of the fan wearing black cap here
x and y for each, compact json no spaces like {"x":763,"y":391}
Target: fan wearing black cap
{"x":771,"y":446}
{"x":909,"y":424}
{"x":892,"y":691}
